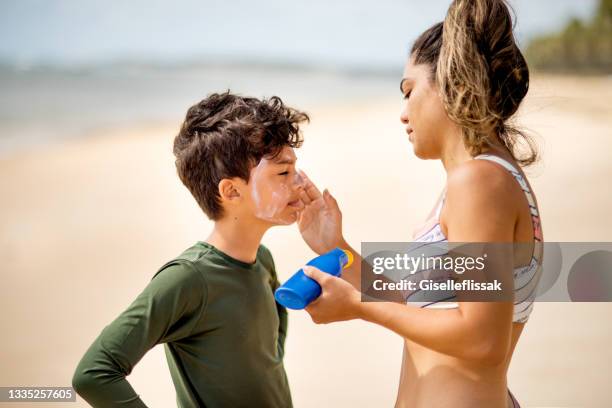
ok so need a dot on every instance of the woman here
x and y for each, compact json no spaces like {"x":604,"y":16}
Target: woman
{"x":464,"y":80}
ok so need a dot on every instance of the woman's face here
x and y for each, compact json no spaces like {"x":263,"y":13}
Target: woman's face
{"x":427,"y":123}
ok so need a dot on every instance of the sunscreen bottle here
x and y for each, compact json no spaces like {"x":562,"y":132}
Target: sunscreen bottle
{"x":300,"y":290}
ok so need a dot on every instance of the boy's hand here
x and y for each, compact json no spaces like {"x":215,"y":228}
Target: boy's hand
{"x":320,"y":221}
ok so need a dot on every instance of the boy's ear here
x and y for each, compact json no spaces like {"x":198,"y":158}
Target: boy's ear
{"x":229,"y":190}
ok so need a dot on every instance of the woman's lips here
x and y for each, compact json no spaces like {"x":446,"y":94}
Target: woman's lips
{"x":409,"y":131}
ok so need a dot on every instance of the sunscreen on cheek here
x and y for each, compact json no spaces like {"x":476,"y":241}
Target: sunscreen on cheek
{"x":269,"y":207}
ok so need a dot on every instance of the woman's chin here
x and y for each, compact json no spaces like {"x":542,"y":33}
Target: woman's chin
{"x":418,"y":152}
{"x":423,"y":154}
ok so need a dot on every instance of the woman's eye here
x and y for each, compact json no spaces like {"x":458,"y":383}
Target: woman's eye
{"x":284,"y":173}
{"x":407,"y":94}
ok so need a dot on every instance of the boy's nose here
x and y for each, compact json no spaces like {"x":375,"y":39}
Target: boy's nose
{"x":298,"y":181}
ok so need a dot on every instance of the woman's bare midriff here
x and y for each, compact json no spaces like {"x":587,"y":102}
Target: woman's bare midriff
{"x":430,"y":379}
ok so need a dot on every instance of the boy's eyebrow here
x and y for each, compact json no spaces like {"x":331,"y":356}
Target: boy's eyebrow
{"x":284,"y":161}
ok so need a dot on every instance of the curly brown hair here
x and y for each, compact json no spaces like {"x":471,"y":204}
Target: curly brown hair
{"x":225,"y":136}
{"x":480,"y":72}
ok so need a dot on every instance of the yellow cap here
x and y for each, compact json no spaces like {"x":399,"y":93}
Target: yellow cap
{"x":349,"y":255}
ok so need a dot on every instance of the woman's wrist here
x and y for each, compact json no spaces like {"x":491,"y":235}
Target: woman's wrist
{"x":360,"y":308}
{"x":341,"y":243}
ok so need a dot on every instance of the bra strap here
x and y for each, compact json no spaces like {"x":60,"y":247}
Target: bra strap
{"x":517,"y":176}
{"x":533,"y":208}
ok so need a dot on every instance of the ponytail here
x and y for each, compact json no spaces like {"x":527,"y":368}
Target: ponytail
{"x":480,"y":71}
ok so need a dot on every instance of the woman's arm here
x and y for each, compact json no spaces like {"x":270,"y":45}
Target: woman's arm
{"x":478,"y":208}
{"x":320,"y":224}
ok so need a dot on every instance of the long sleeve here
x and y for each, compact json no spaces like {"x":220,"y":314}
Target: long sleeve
{"x":283,"y":317}
{"x":282,"y":328}
{"x":280,"y":309}
{"x":167,"y":310}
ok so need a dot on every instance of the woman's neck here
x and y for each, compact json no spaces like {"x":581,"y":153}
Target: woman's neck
{"x":454,"y":152}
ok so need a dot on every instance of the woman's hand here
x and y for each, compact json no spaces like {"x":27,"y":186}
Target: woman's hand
{"x":339,"y":300}
{"x":320,"y":221}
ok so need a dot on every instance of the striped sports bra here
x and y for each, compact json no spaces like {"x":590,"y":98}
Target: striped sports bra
{"x":525,"y":277}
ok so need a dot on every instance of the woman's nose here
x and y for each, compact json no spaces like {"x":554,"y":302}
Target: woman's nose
{"x":404,"y":116}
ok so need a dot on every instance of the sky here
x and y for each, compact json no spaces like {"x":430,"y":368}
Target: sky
{"x":314,"y":32}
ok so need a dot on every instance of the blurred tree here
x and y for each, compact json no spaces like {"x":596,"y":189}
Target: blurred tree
{"x":578,"y":47}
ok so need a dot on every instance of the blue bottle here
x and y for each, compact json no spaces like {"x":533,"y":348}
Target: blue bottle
{"x":300,"y":290}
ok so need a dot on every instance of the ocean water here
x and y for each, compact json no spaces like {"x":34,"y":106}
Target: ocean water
{"x":41,"y":106}
{"x":70,"y":68}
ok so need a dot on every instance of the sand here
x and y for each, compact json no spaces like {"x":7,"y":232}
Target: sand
{"x":86,"y":222}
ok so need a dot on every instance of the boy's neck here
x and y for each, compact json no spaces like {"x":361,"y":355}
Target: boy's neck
{"x":236,"y":239}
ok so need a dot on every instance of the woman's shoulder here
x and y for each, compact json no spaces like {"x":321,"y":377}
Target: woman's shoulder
{"x":482,"y":187}
{"x":480,"y":177}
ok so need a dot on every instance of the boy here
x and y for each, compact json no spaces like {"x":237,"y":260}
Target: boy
{"x":213,"y":306}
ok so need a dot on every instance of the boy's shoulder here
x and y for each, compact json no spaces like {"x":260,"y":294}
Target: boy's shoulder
{"x":201,"y":253}
{"x":267,"y":260}
{"x":265,"y":256}
{"x":186,"y":260}
{"x":202,"y":265}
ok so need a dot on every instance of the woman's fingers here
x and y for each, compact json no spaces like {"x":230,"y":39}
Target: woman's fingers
{"x":311,"y":190}
{"x":316,"y":274}
{"x":330,"y":200}
{"x":305,"y":198}
{"x":338,"y":301}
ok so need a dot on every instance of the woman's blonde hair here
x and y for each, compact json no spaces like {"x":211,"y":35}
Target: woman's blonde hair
{"x":480,"y":72}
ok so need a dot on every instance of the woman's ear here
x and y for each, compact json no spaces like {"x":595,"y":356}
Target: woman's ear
{"x":229,"y":190}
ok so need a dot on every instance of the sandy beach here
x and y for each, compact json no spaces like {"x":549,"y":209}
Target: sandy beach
{"x":85,"y":222}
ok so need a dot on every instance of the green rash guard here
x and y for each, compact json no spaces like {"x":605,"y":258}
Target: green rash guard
{"x":223,"y":335}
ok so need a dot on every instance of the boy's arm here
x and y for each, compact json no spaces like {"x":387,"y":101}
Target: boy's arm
{"x":282,"y":328}
{"x":283,"y":318}
{"x":167,"y":310}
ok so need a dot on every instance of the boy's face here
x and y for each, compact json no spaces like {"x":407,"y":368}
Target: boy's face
{"x":274,"y":188}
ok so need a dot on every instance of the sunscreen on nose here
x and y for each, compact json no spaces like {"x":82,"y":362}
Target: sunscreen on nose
{"x":300,"y":290}
{"x":298,"y":179}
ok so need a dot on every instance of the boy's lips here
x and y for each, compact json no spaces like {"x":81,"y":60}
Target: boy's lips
{"x":296,"y":203}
